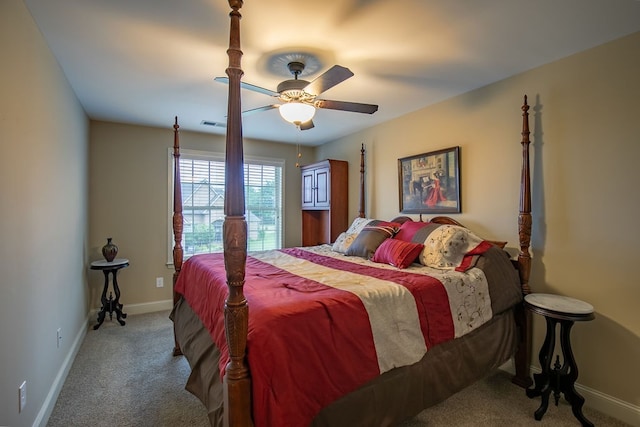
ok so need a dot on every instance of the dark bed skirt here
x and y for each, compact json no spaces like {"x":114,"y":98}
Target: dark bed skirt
{"x":389,"y":399}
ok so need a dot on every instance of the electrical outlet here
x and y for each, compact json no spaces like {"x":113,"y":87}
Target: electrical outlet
{"x":22,"y":394}
{"x":59,"y":337}
{"x":159,"y":282}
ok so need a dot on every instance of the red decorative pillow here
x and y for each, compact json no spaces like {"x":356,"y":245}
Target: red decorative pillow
{"x":408,"y":230}
{"x":398,"y":253}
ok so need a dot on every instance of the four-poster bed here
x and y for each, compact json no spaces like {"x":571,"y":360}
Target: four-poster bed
{"x":318,"y":349}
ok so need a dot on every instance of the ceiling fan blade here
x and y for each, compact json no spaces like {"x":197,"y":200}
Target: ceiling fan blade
{"x":307,"y":125}
{"x":259,"y":109}
{"x":249,"y":86}
{"x":355,"y":107}
{"x":328,"y":79}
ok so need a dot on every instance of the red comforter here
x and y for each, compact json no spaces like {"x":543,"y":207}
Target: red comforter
{"x":321,"y":326}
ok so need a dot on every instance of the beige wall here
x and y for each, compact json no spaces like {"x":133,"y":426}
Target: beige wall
{"x":129,"y":200}
{"x":43,"y":218}
{"x":585,"y":151}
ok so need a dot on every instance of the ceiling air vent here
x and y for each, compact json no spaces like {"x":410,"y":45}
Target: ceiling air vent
{"x":214,"y":124}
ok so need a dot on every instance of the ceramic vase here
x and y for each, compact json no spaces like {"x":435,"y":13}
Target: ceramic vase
{"x":109,"y":251}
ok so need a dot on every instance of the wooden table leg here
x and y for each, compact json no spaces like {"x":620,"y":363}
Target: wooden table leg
{"x":569,"y":374}
{"x":103,"y":300}
{"x":117,"y":307}
{"x":542,"y":380}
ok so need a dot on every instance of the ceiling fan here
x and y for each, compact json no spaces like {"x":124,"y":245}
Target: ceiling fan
{"x":300,"y":98}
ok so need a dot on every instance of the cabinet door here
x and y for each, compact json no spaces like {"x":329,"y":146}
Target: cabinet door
{"x":323,"y":192}
{"x":308,"y":188}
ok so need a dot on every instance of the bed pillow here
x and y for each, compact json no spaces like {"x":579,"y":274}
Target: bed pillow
{"x":398,"y":253}
{"x":415,"y":231}
{"x":451,"y":247}
{"x":343,"y":242}
{"x":358,"y":224}
{"x":345,"y":239}
{"x":372,"y":236}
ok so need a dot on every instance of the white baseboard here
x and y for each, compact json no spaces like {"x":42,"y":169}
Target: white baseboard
{"x":50,"y":401}
{"x":147,"y":307}
{"x":608,"y":405}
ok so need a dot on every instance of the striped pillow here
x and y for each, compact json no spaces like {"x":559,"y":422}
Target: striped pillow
{"x":358,"y":224}
{"x":372,"y":236}
{"x":398,"y":253}
{"x":415,"y":231}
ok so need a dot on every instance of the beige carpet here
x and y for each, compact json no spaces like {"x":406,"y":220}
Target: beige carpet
{"x":126,"y":376}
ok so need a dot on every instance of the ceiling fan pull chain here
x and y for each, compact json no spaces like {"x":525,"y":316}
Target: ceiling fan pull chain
{"x":299,"y":156}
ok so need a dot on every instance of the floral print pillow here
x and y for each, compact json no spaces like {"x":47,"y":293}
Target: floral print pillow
{"x":451,"y":247}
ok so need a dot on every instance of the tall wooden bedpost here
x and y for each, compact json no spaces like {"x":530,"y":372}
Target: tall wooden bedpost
{"x":523,"y":319}
{"x":524,"y":219}
{"x":361,"y":211}
{"x":237,"y":385}
{"x":178,"y":253}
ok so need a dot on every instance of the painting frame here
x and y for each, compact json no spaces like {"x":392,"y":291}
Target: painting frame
{"x":429,"y":183}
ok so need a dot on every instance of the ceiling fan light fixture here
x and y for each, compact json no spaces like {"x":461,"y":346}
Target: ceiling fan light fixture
{"x":297,"y":112}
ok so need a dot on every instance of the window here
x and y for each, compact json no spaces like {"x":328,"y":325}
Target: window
{"x":203,"y":190}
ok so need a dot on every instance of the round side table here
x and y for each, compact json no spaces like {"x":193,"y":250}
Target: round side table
{"x":562,"y":377}
{"x":110,"y":305}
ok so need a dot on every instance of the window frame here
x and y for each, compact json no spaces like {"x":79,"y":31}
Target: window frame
{"x":217,"y":156}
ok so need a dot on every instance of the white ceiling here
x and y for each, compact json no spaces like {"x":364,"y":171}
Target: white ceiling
{"x":146,"y":61}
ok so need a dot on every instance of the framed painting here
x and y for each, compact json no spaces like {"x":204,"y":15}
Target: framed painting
{"x":430,"y":183}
